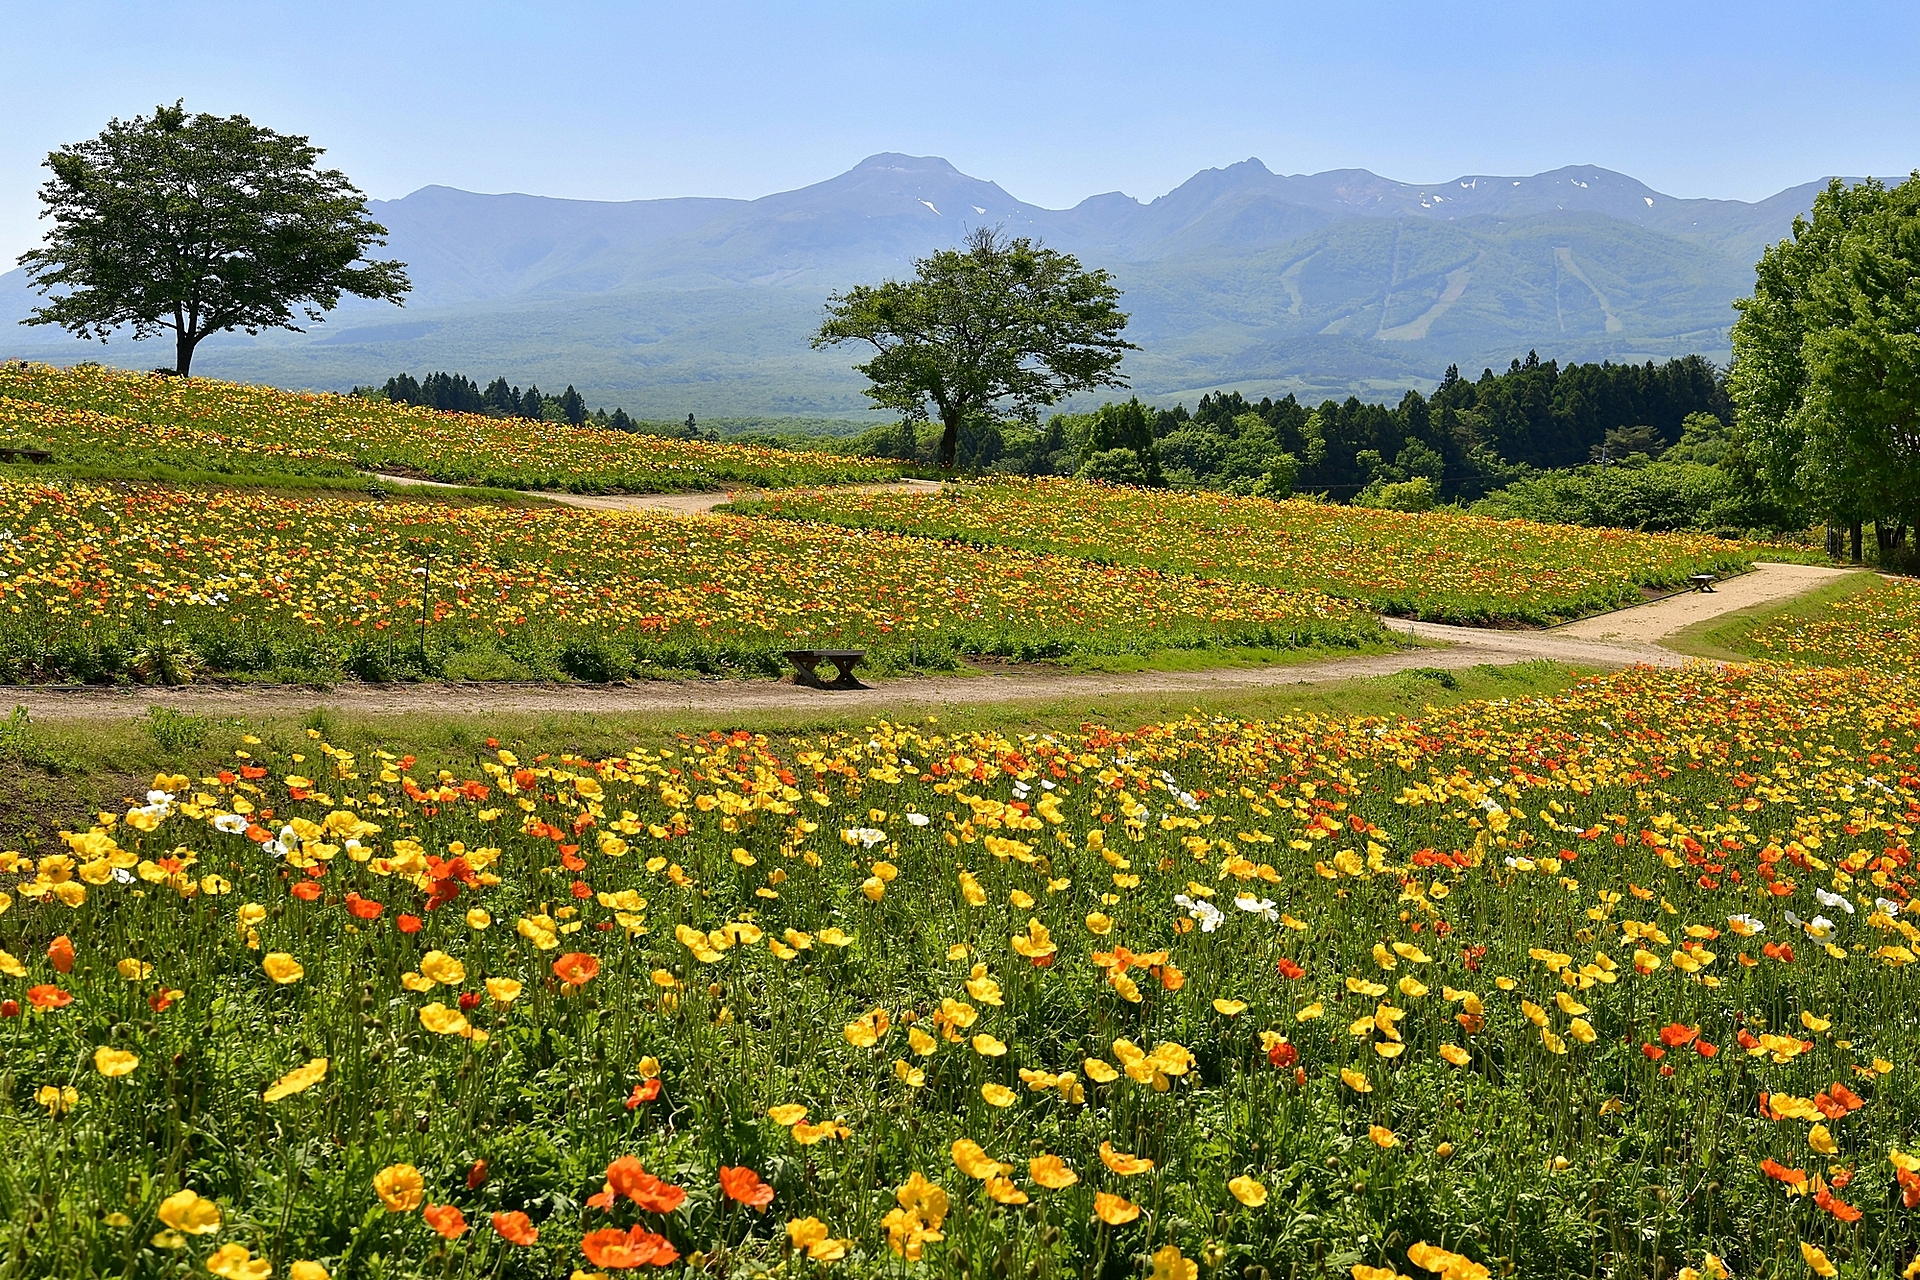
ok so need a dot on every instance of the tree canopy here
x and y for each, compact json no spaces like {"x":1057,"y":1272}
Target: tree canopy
{"x":1826,"y":361}
{"x":199,"y":224}
{"x":999,"y":321}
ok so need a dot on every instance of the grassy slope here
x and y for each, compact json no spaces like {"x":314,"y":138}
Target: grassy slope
{"x":1724,"y":638}
{"x":61,"y":774}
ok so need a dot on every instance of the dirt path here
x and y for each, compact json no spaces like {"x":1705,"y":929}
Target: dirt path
{"x":686,"y":504}
{"x":1610,"y":641}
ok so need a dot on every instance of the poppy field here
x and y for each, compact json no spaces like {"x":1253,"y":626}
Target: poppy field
{"x":106,"y":582}
{"x":1877,"y":628}
{"x":1613,"y":983}
{"x":1439,"y":566}
{"x":90,"y":414}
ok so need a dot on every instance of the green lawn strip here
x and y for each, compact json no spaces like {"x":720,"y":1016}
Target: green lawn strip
{"x":60,"y":774}
{"x":1725,"y":638}
{"x":1235,"y":656}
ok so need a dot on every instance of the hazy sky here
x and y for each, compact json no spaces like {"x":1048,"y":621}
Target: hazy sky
{"x":1055,"y":101}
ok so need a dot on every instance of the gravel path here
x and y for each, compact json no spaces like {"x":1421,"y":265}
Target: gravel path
{"x":686,"y":504}
{"x":1624,"y":638}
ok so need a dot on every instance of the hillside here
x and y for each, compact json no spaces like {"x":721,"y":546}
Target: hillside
{"x":1320,"y":284}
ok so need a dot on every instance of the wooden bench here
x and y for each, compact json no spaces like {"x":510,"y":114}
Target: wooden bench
{"x":1702,"y":581}
{"x":25,"y":455}
{"x":806,"y":664}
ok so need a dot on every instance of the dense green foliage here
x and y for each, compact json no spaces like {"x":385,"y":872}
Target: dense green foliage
{"x":1468,"y":438}
{"x":199,"y":225}
{"x":1826,"y":370}
{"x":1653,"y":496}
{"x":457,"y":393}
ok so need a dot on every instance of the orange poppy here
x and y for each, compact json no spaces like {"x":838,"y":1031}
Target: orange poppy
{"x":576,"y":968}
{"x":645,"y":1091}
{"x":1837,"y":1207}
{"x":1774,"y":1169}
{"x":60,"y":954}
{"x":620,"y":1250}
{"x":744,"y":1185}
{"x":446,"y":1219}
{"x":48,"y":996}
{"x":515,"y":1228}
{"x":628,"y":1177}
{"x":1676,"y":1034}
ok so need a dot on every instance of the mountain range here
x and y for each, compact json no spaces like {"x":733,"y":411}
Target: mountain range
{"x":1333,"y":283}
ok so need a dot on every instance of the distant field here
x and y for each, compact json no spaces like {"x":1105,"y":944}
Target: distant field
{"x":91,"y":416}
{"x":112,"y":582}
{"x":1434,"y":565}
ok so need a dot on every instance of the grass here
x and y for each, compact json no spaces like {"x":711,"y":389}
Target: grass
{"x":1504,"y":982}
{"x":1223,"y":657}
{"x":63,"y":771}
{"x":1726,"y":638}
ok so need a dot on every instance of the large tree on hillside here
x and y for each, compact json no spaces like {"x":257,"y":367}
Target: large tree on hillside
{"x":199,"y":224}
{"x":1826,"y":368}
{"x":996,"y":321}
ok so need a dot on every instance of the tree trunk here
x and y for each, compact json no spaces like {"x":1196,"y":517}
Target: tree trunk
{"x":1858,"y":558}
{"x":183,"y":353}
{"x":950,"y":439}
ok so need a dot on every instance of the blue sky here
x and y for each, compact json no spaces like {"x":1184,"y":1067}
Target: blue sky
{"x":1055,"y":101}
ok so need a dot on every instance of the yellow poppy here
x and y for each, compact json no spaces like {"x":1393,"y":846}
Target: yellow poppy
{"x":281,"y":967}
{"x":297,"y":1080}
{"x":1248,"y":1191}
{"x":1051,"y":1172}
{"x":1114,"y":1210}
{"x":1120,"y":1162}
{"x":400,"y":1188}
{"x":113,"y":1063}
{"x":970,"y":1159}
{"x":190,"y":1213}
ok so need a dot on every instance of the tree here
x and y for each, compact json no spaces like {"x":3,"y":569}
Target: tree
{"x":1862,"y":357}
{"x":501,"y":399}
{"x":572,"y":406}
{"x":1124,"y":426}
{"x":1786,"y":370}
{"x":996,"y":320}
{"x":200,"y":225}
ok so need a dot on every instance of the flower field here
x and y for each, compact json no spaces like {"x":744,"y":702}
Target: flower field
{"x":1617,"y":983}
{"x":1434,"y":565}
{"x":1877,"y":628}
{"x":100,"y":582}
{"x":88,"y":413}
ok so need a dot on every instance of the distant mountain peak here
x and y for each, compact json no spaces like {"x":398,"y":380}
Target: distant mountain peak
{"x":900,"y":162}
